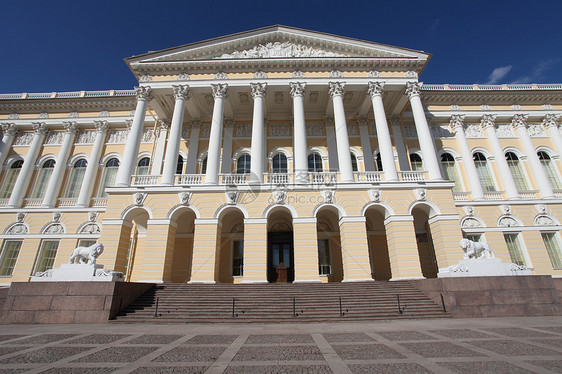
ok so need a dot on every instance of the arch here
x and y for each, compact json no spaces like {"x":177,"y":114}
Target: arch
{"x":11,"y":159}
{"x":431,"y":208}
{"x":16,"y":228}
{"x":452,"y":151}
{"x":388,"y":211}
{"x":129,"y":212}
{"x":89,"y":227}
{"x":273,"y":207}
{"x":549,"y":151}
{"x":471,"y":222}
{"x":277,"y":150}
{"x":179,"y":209}
{"x":109,"y":156}
{"x":337,"y":207}
{"x":142,"y":155}
{"x":53,"y":228}
{"x":322,"y":152}
{"x":545,"y":220}
{"x":72,"y":160}
{"x":239,"y":152}
{"x":482,"y":150}
{"x":45,"y":158}
{"x":520,"y":154}
{"x":509,"y":220}
{"x":202,"y":155}
{"x":223,"y":209}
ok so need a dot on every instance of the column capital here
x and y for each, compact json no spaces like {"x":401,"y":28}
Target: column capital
{"x":363,"y":121}
{"x":375,"y":89}
{"x":163,"y":125}
{"x":395,"y":120}
{"x":258,"y":89}
{"x":181,"y":92}
{"x":196,"y":122}
{"x":519,"y":120}
{"x":229,"y":122}
{"x":550,"y":120}
{"x":144,"y":93}
{"x":336,"y":89}
{"x":101,"y":126}
{"x":412,"y":89}
{"x":329,"y":120}
{"x":9,"y":128}
{"x":39,"y":127}
{"x":70,"y":127}
{"x":297,"y":89}
{"x":456,"y":122}
{"x":219,"y":90}
{"x":488,"y":120}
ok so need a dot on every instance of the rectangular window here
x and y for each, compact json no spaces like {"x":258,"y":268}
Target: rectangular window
{"x":515,"y":249}
{"x":46,"y":256}
{"x":324,"y":257}
{"x":484,"y":175}
{"x":237,"y":258}
{"x":9,"y":257}
{"x":552,"y":244}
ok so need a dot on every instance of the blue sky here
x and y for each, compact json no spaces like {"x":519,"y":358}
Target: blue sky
{"x":77,"y":45}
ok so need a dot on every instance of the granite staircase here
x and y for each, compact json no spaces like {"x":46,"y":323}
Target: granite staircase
{"x":219,"y":303}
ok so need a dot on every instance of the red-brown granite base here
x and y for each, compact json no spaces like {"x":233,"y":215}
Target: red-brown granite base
{"x":68,"y":302}
{"x":511,"y":296}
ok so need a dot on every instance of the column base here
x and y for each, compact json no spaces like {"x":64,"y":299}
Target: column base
{"x":405,"y":278}
{"x":202,"y":282}
{"x":358,"y":280}
{"x":167,"y":184}
{"x":254,"y":282}
{"x":308,"y":281}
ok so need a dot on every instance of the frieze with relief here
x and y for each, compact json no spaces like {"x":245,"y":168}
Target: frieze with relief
{"x":315,"y":129}
{"x":242,"y":130}
{"x":117,"y":137}
{"x":536,"y":130}
{"x":85,"y":137}
{"x":23,"y":138}
{"x":147,"y":136}
{"x":279,"y":129}
{"x":441,"y":131}
{"x":505,"y":131}
{"x":54,"y":137}
{"x":410,"y":132}
{"x":473,"y":131}
{"x":280,"y":50}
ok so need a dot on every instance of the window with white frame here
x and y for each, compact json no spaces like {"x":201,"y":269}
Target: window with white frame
{"x":550,"y":170}
{"x":552,"y":243}
{"x":237,"y":258}
{"x":450,"y":170}
{"x":354,"y":165}
{"x":481,"y":164}
{"x":315,"y":163}
{"x":9,"y":257}
{"x":416,"y":162}
{"x":324,"y":257}
{"x":76,"y":178}
{"x":109,"y":175}
{"x":203,"y":166}
{"x":143,"y":165}
{"x":516,"y":171}
{"x":43,"y":179}
{"x":46,"y":256}
{"x":515,"y":249}
{"x":10,"y":179}
{"x":279,"y":164}
{"x":243,"y":164}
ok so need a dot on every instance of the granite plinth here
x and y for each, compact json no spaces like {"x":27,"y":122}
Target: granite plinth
{"x":482,"y":267}
{"x":78,"y":273}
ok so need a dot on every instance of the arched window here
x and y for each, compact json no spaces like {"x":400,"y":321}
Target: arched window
{"x":354,"y":163}
{"x":483,"y":172}
{"x":549,"y":169}
{"x":516,"y":171}
{"x":243,"y":164}
{"x":43,"y":179}
{"x":76,"y":178}
{"x":203,"y":167}
{"x":450,"y":170}
{"x":179,"y":167}
{"x":109,"y":175}
{"x":10,"y":179}
{"x":142,"y":168}
{"x":315,"y":163}
{"x":279,"y":164}
{"x":416,"y":162}
{"x":378,"y":162}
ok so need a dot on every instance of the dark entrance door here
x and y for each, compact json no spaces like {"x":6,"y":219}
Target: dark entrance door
{"x":280,"y":266}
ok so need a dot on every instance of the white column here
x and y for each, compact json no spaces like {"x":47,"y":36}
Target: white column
{"x":519,"y":122}
{"x":427,"y":145}
{"x":342,"y":139}
{"x":258,"y":135}
{"x":457,"y":126}
{"x":215,"y":138}
{"x":368,"y":159}
{"x":300,"y":156}
{"x":161,"y":134}
{"x":20,"y":187}
{"x":53,"y":189}
{"x":226,"y":160}
{"x":131,"y":151}
{"x":403,"y":160}
{"x":510,"y":189}
{"x":10,"y":130}
{"x":551,"y":124}
{"x":331,"y":142}
{"x":172,"y":149}
{"x":191,"y":166}
{"x":383,"y":135}
{"x":93,"y":165}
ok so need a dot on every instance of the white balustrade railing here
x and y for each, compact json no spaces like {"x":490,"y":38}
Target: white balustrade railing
{"x":368,"y":176}
{"x":528,"y":195}
{"x":327,"y":178}
{"x":557,"y":193}
{"x":461,"y":196}
{"x":32,"y":202}
{"x":279,"y":178}
{"x":99,"y":202}
{"x":189,"y":179}
{"x":144,"y":180}
{"x":4,"y":202}
{"x":411,"y":176}
{"x":234,"y":178}
{"x":67,"y":202}
{"x":493,"y":195}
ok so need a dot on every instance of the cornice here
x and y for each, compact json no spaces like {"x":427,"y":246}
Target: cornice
{"x":537,"y":96}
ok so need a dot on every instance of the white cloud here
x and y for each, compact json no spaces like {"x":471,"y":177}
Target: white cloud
{"x":498,"y":74}
{"x":537,"y":73}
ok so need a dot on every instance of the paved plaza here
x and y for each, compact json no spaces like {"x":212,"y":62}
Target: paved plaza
{"x":493,"y":345}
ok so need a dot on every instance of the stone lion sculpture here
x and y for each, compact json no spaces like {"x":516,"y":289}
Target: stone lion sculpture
{"x":83,"y":255}
{"x":473,"y":249}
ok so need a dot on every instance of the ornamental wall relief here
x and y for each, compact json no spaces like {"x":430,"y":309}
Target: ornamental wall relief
{"x":54,"y":137}
{"x":85,"y":137}
{"x":473,"y":131}
{"x":279,"y":129}
{"x":536,"y":130}
{"x":280,"y":50}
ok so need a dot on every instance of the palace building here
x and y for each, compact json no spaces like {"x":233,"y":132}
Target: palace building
{"x":281,"y":154}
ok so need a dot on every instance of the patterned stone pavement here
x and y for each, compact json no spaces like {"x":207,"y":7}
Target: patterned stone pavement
{"x":493,"y":345}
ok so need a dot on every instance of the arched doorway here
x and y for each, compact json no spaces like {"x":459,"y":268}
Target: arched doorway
{"x":426,"y":250}
{"x":280,"y":252}
{"x":230,"y":257}
{"x":330,"y":263}
{"x":378,"y":244}
{"x":132,"y":240}
{"x":182,"y":255}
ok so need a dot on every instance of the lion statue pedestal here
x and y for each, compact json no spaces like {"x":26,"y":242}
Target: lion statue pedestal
{"x":479,"y":261}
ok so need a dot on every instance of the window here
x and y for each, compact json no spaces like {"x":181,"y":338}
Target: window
{"x":516,"y":171}
{"x":9,"y":257}
{"x":109,"y":175}
{"x":483,"y":172}
{"x":324,"y":257}
{"x":243,"y":164}
{"x":416,"y":162}
{"x":550,"y":170}
{"x":179,"y":167}
{"x":450,"y":170}
{"x":43,"y":179}
{"x":279,"y":163}
{"x":354,"y":162}
{"x":237,"y":258}
{"x":378,"y":162}
{"x":76,"y":178}
{"x":203,"y":168}
{"x":552,"y":244}
{"x":10,"y":179}
{"x":315,"y":163}
{"x":46,"y":256}
{"x":514,"y":248}
{"x":142,"y":168}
